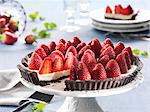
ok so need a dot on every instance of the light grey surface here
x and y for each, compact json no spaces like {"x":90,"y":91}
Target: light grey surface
{"x":137,"y":100}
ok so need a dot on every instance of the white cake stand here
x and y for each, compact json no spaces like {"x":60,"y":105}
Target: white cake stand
{"x":81,"y":101}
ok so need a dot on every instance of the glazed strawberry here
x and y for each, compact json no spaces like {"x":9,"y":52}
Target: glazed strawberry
{"x":118,"y":48}
{"x":127,"y":11}
{"x":56,"y":54}
{"x":67,"y":45}
{"x":122,"y":63}
{"x":89,"y":60}
{"x":80,"y":46}
{"x":127,"y":57}
{"x":95,"y":47}
{"x":46,"y":66}
{"x":7,"y":18}
{"x":90,"y":52}
{"x":112,"y":69}
{"x":108,"y":41}
{"x":104,"y":47}
{"x":129,"y":50}
{"x":61,"y":47}
{"x":81,"y":52}
{"x":13,"y":25}
{"x":71,"y":49}
{"x":98,"y":72}
{"x":62,"y":41}
{"x":35,"y":61}
{"x":118,"y":9}
{"x":46,"y":49}
{"x":2,"y":23}
{"x":8,"y":38}
{"x":70,"y":61}
{"x":58,"y":64}
{"x":40,"y":51}
{"x":108,"y":51}
{"x":52,"y":46}
{"x":73,"y":73}
{"x":108,"y":10}
{"x":7,"y":30}
{"x":83,"y":73}
{"x":30,"y":39}
{"x":104,"y":60}
{"x":76,"y":41}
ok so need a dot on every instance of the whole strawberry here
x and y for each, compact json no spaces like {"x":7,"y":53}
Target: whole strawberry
{"x":13,"y":25}
{"x":2,"y":23}
{"x":30,"y":39}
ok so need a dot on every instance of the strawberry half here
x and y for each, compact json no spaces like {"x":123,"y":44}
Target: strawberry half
{"x":35,"y":61}
{"x":118,"y":9}
{"x":104,"y":47}
{"x":73,"y":73}
{"x":118,"y":48}
{"x":56,"y":54}
{"x":127,"y":11}
{"x":104,"y":60}
{"x":46,"y":66}
{"x":129,"y":50}
{"x":30,"y":39}
{"x":81,"y":52}
{"x":112,"y":69}
{"x":13,"y":25}
{"x":76,"y":41}
{"x":2,"y":23}
{"x":108,"y":41}
{"x":46,"y":49}
{"x":58,"y":64}
{"x":40,"y":51}
{"x":90,"y":52}
{"x":127,"y":57}
{"x":52,"y":46}
{"x":7,"y":18}
{"x":7,"y":30}
{"x":71,"y":49}
{"x":98,"y":72}
{"x":67,"y":45}
{"x":62,"y":41}
{"x":108,"y":10}
{"x":80,"y":46}
{"x":61,"y":47}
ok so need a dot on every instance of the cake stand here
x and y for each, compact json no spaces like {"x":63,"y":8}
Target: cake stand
{"x":82,"y":101}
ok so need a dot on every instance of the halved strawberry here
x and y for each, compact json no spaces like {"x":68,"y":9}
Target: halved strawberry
{"x":118,"y":9}
{"x":112,"y":69}
{"x":58,"y":64}
{"x":46,"y":49}
{"x":127,"y":57}
{"x":71,"y":49}
{"x":104,"y":60}
{"x":46,"y":66}
{"x":127,"y":11}
{"x":76,"y":41}
{"x":108,"y":51}
{"x":98,"y":72}
{"x":61,"y":47}
{"x":118,"y":48}
{"x":7,"y":18}
{"x":52,"y":46}
{"x":122,"y":63}
{"x":73,"y":73}
{"x":67,"y":45}
{"x":104,"y":47}
{"x":62,"y":41}
{"x":80,"y":46}
{"x":56,"y":54}
{"x":108,"y":41}
{"x":40,"y":51}
{"x":90,"y":52}
{"x":7,"y":30}
{"x":129,"y":50}
{"x":13,"y":25}
{"x":81,"y":52}
{"x":108,"y":10}
{"x":95,"y":47}
{"x":83,"y":73}
{"x":35,"y":61}
{"x":2,"y":22}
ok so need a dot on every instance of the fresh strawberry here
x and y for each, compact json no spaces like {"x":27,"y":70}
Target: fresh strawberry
{"x":56,"y":54}
{"x":61,"y":47}
{"x":62,"y":41}
{"x":104,"y":60}
{"x":98,"y":72}
{"x":52,"y":46}
{"x":90,"y":52}
{"x":35,"y":61}
{"x":127,"y":57}
{"x":81,"y":52}
{"x":118,"y":48}
{"x":83,"y":73}
{"x":46,"y":49}
{"x":46,"y":66}
{"x":108,"y":51}
{"x":76,"y":41}
{"x":127,"y":11}
{"x":7,"y":30}
{"x":112,"y":69}
{"x":71,"y":49}
{"x":108,"y":41}
{"x":108,"y":10}
{"x":129,"y":50}
{"x":67,"y":45}
{"x":2,"y":23}
{"x":8,"y":38}
{"x":13,"y":25}
{"x":95,"y":47}
{"x":122,"y":63}
{"x":89,"y":60}
{"x":118,"y":9}
{"x":30,"y":39}
{"x":80,"y":46}
{"x":70,"y":61}
{"x":7,"y":18}
{"x":73,"y":73}
{"x":104,"y":47}
{"x":58,"y":64}
{"x":40,"y":51}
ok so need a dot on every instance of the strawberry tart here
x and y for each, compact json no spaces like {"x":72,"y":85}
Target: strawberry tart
{"x":120,"y":13}
{"x":92,"y":66}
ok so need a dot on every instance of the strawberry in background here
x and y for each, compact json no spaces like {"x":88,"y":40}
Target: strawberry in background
{"x":30,"y":39}
{"x":13,"y":25}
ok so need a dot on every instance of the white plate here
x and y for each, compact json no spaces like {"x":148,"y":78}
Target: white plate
{"x":142,"y":17}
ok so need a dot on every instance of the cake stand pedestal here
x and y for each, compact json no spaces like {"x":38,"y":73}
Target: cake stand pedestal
{"x":82,"y":101}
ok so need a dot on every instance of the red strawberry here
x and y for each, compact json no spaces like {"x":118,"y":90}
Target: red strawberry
{"x":7,"y":18}
{"x":76,"y":41}
{"x":70,"y":61}
{"x":56,"y":54}
{"x":118,"y":48}
{"x":40,"y":51}
{"x":112,"y":69}
{"x":104,"y":47}
{"x":73,"y":73}
{"x":89,"y":60}
{"x":104,"y":60}
{"x":122,"y":63}
{"x":127,"y":11}
{"x":67,"y":45}
{"x":61,"y":47}
{"x":90,"y":52}
{"x":8,"y":38}
{"x":52,"y":46}
{"x":118,"y":9}
{"x":80,"y":46}
{"x":7,"y":30}
{"x":46,"y":49}
{"x":98,"y":72}
{"x":30,"y":39}
{"x":95,"y":47}
{"x":35,"y":61}
{"x":73,"y":50}
{"x":108,"y":51}
{"x":62,"y":41}
{"x":108,"y":10}
{"x":13,"y":25}
{"x":127,"y":57}
{"x":81,"y":52}
{"x":129,"y":50}
{"x":108,"y":41}
{"x":83,"y":73}
{"x":58,"y":64}
{"x":46,"y":66}
{"x":2,"y":23}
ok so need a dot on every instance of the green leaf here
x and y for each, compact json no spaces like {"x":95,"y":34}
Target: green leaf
{"x":34,"y":15}
{"x":144,"y":53}
{"x":38,"y":107}
{"x":41,"y":18}
{"x":34,"y":30}
{"x":43,"y":33}
{"x":46,"y":25}
{"x":52,"y":25}
{"x":136,"y":51}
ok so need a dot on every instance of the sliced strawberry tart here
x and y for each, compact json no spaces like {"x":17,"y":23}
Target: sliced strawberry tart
{"x":90,"y":66}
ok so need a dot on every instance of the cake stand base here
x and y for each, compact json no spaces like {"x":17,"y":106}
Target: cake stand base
{"x":76,"y":104}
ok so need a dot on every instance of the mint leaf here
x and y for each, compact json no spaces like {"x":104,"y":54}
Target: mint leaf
{"x":144,"y":53}
{"x":38,"y":107}
{"x":41,"y":18}
{"x":43,"y":33}
{"x":46,"y":25}
{"x":52,"y":25}
{"x":136,"y":51}
{"x":34,"y":30}
{"x":34,"y":15}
